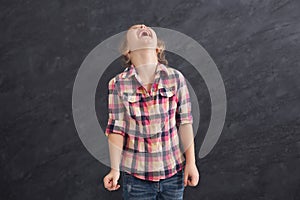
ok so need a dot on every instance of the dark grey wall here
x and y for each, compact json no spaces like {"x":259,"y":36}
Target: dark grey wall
{"x":255,"y":45}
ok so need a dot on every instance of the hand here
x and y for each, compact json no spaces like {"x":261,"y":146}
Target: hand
{"x":111,"y":180}
{"x":191,"y":175}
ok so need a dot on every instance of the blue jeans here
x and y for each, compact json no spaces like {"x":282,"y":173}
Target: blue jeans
{"x":138,"y":189}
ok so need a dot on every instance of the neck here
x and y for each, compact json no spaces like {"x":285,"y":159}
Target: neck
{"x":144,"y":57}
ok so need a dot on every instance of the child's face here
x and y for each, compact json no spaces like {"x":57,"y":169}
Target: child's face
{"x":140,"y":37}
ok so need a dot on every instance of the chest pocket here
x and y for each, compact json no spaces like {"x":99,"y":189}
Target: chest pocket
{"x":166,"y":92}
{"x":134,"y":105}
{"x":167,"y":101}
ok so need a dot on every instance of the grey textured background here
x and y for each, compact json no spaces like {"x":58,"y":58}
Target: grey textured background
{"x":255,"y":45}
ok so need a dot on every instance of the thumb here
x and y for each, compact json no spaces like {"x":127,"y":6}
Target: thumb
{"x":185,"y":179}
{"x":115,"y":181}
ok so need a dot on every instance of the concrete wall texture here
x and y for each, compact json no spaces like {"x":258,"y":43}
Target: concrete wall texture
{"x":255,"y":44}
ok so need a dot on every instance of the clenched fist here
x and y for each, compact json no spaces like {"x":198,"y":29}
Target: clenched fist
{"x":191,"y":175}
{"x":110,"y":181}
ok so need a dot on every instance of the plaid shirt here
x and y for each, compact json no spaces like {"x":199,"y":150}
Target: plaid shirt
{"x":149,"y":121}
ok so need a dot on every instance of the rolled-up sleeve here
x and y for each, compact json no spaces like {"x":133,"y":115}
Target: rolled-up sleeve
{"x":116,"y":110}
{"x":183,"y":111}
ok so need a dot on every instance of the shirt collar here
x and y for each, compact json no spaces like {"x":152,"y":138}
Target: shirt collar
{"x":162,"y":74}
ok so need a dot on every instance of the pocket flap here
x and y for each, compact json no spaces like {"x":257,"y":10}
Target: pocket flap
{"x":131,"y":97}
{"x":167,"y":92}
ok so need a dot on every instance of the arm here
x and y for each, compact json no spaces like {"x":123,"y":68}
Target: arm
{"x":115,"y":142}
{"x":115,"y":131}
{"x":184,"y":120}
{"x":187,"y":139}
{"x":191,"y":174}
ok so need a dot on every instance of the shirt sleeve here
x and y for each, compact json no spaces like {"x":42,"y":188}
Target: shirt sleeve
{"x":183,"y":111}
{"x":116,"y":110}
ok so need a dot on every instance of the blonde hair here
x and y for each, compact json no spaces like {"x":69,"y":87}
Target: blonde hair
{"x":126,"y":62}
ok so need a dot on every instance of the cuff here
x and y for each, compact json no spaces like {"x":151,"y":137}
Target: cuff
{"x":184,"y":119}
{"x":115,"y":126}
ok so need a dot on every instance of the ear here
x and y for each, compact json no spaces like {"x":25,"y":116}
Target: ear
{"x":127,"y":54}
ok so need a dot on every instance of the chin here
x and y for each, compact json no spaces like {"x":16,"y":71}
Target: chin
{"x":145,"y":46}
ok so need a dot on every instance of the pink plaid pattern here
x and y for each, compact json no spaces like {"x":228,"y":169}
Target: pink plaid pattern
{"x":149,"y":121}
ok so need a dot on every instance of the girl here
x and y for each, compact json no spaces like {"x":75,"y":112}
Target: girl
{"x":149,"y":104}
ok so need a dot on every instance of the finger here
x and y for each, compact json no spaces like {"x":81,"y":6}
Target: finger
{"x":106,"y":182}
{"x":107,"y":178}
{"x":185,"y":179}
{"x":115,"y":182}
{"x":192,"y":182}
{"x":117,"y":187}
{"x":110,"y":187}
{"x":114,"y":187}
{"x":196,"y":178}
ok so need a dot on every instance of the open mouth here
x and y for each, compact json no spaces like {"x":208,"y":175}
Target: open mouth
{"x":144,"y":33}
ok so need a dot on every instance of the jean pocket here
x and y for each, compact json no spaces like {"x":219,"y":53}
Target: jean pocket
{"x":175,"y":182}
{"x":126,"y":178}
